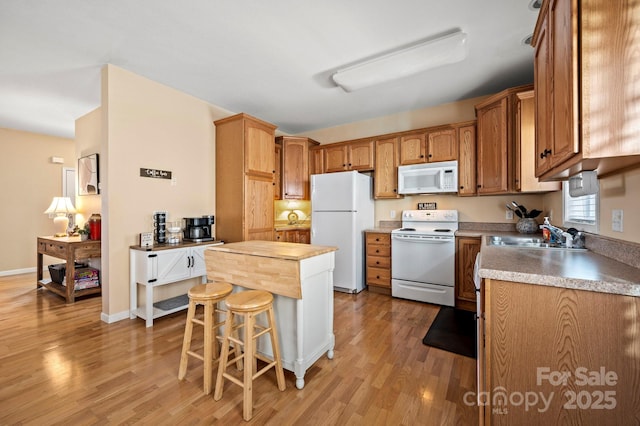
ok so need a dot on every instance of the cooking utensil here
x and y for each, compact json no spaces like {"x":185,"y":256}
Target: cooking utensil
{"x":534,"y":213}
{"x":522,"y":209}
{"x":516,"y":211}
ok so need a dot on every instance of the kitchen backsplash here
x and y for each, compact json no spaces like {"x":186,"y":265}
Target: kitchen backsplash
{"x":292,"y":212}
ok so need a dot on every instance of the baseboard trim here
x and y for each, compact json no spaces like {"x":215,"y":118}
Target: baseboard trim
{"x":17,"y":271}
{"x":110,"y":319}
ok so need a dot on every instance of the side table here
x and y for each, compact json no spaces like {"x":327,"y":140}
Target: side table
{"x":69,"y":249}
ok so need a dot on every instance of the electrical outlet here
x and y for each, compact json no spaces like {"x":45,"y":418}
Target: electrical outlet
{"x":509,"y":214}
{"x":617,"y":220}
{"x":392,"y":214}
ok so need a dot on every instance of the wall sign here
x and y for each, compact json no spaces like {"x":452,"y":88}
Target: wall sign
{"x":155,"y":173}
{"x":427,"y":206}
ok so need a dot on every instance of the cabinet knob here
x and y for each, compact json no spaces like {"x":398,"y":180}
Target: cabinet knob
{"x":377,"y":239}
{"x":461,"y":187}
{"x":377,"y":277}
{"x":479,"y":186}
{"x":377,"y":262}
{"x":349,"y":164}
{"x":421,"y":156}
{"x":377,"y":251}
{"x":430,"y":155}
{"x":395,"y":190}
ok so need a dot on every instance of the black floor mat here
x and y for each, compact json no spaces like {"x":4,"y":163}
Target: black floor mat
{"x":453,"y":330}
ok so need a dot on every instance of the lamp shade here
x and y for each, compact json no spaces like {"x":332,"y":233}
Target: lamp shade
{"x":61,"y":205}
{"x":419,"y":57}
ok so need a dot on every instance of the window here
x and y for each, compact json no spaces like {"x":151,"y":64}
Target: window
{"x":582,"y":212}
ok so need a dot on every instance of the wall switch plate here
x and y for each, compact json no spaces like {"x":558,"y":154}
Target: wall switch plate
{"x":509,"y":214}
{"x":617,"y":219}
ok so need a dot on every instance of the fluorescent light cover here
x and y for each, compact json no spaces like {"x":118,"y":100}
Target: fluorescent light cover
{"x":433,"y":53}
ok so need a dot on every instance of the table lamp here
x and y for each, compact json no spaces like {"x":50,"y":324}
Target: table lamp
{"x":60,"y":207}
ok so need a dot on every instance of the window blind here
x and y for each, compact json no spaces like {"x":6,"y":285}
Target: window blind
{"x":581,"y":209}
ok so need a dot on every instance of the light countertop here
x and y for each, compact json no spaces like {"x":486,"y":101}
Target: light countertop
{"x":575,"y":269}
{"x":274,"y":249}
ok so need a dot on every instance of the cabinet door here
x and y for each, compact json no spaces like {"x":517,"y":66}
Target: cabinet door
{"x":544,"y":111}
{"x":259,"y":149}
{"x":492,"y":148}
{"x":442,"y":145}
{"x":304,"y":236}
{"x":335,"y":158}
{"x":316,"y":161}
{"x":295,"y":169}
{"x":258,"y":209}
{"x":361,"y":156}
{"x":277,"y":178}
{"x":386,"y":173}
{"x":198,"y":265}
{"x":169,"y":266}
{"x":467,"y":160}
{"x":466,"y":251}
{"x":565,"y":81}
{"x":412,"y":148}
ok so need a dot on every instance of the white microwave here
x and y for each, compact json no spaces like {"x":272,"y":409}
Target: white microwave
{"x":428,"y":178}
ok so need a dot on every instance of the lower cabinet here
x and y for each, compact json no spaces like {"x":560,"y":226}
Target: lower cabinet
{"x":159,"y":267}
{"x":558,"y":356}
{"x":302,"y":236}
{"x":378,"y":255}
{"x":467,"y":248}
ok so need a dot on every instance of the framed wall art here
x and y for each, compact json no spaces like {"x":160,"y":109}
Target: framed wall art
{"x":88,"y":175}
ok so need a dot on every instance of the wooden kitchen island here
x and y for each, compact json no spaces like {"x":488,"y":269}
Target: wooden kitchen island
{"x":300,"y":277}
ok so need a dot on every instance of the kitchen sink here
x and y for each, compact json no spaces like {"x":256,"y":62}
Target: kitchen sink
{"x":526,"y":242}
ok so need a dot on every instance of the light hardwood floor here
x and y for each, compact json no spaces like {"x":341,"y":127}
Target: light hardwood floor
{"x":60,"y":364}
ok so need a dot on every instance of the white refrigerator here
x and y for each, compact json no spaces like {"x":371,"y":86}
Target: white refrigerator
{"x":341,"y":210}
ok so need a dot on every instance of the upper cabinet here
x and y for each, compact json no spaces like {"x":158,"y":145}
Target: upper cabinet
{"x":344,"y":156}
{"x":493,"y":145}
{"x":432,"y":145}
{"x":506,"y":139}
{"x":294,"y":167}
{"x":586,"y":87}
{"x":467,"y":159}
{"x":385,"y":179}
{"x":316,"y":160}
{"x":245,"y":178}
{"x":525,"y":179}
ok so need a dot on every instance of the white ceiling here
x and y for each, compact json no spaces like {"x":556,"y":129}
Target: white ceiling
{"x":272,"y":59}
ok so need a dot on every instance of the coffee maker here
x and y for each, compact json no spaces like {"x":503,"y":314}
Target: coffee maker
{"x":198,"y":229}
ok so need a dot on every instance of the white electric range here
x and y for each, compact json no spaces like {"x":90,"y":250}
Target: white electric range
{"x":423,"y":256}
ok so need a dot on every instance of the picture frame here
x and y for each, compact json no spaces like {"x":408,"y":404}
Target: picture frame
{"x":88,"y":175}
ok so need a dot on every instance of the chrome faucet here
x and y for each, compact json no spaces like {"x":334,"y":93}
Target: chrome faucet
{"x":557,"y":235}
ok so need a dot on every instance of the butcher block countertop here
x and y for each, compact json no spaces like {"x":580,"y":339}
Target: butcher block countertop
{"x":275,"y":249}
{"x":277,"y":267}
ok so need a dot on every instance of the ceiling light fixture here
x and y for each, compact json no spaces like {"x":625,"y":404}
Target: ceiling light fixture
{"x":420,"y":57}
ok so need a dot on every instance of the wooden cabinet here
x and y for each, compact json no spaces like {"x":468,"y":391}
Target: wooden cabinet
{"x":386,"y":174}
{"x":525,"y":179}
{"x":277,"y":177}
{"x":340,"y":157}
{"x":467,"y":159}
{"x":293,"y":167}
{"x":442,"y":145}
{"x":562,"y":344}
{"x":493,"y":145}
{"x":430,"y":145}
{"x":467,"y":248}
{"x":316,"y":160}
{"x":378,"y":258}
{"x":505,"y":135}
{"x":245,"y":178}
{"x":586,"y":103}
{"x":412,"y":148}
{"x":302,"y":236}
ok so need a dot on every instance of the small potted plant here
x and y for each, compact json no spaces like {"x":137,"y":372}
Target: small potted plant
{"x":84,"y":232}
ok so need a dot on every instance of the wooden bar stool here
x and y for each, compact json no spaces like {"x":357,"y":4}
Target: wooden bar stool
{"x":248,"y":304}
{"x":208,"y":295}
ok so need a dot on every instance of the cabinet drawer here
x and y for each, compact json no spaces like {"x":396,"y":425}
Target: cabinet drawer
{"x":378,"y":276}
{"x":378,"y":250}
{"x":378,"y":238}
{"x":379,"y":262}
{"x":52,"y":249}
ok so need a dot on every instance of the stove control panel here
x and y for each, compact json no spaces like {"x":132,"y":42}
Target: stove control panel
{"x":430,"y":215}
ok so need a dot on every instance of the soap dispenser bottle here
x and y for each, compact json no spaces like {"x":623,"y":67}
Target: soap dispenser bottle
{"x":546,"y":233}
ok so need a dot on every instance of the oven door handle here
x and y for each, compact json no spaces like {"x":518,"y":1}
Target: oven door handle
{"x":422,"y":240}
